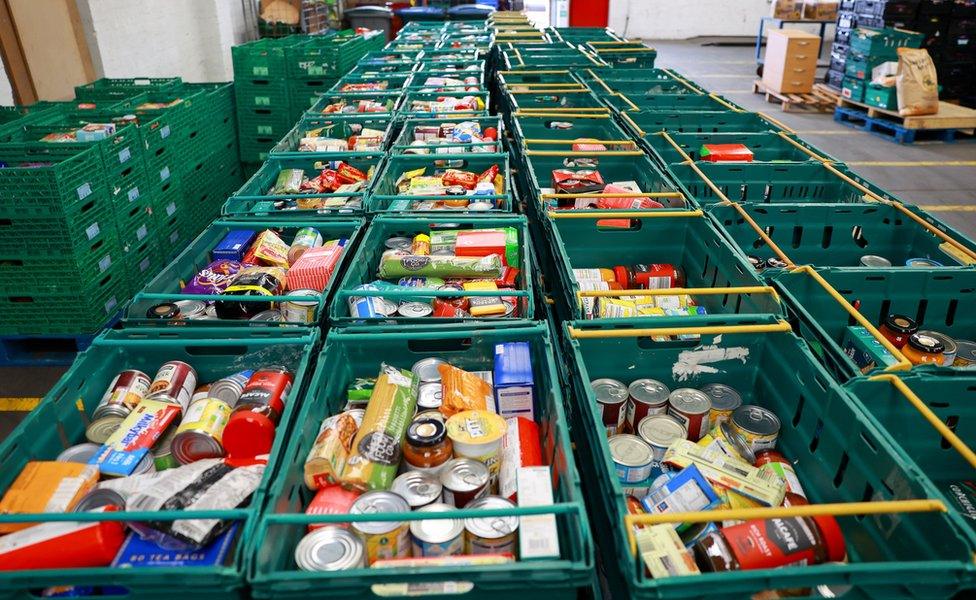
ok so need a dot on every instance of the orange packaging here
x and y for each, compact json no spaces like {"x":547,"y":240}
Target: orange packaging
{"x":461,"y":391}
{"x":46,"y":487}
{"x":270,"y":249}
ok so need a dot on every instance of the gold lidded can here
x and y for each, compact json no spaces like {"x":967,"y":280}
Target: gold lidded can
{"x":725,"y":399}
{"x":757,"y":425}
{"x":382,"y":539}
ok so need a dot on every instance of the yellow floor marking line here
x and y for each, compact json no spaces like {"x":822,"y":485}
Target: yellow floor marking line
{"x":948,"y":207}
{"x":18,"y":403}
{"x":913,"y":163}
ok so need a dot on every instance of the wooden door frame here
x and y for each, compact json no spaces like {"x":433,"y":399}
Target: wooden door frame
{"x":15,"y":63}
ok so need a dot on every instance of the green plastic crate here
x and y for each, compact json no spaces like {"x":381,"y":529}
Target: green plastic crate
{"x":253,"y":199}
{"x":881,"y":97}
{"x":448,"y":50}
{"x":583,"y":34}
{"x":458,"y":66}
{"x":28,"y":273}
{"x":681,"y":102}
{"x":853,"y":89}
{"x":327,"y":55}
{"x":262,"y":58}
{"x":68,"y":231}
{"x":636,"y":89}
{"x":334,"y":126}
{"x":544,"y":78}
{"x":570,"y":101}
{"x":58,"y":423}
{"x":347,"y":355}
{"x":101,"y":90}
{"x":951,"y":400}
{"x":838,"y":235}
{"x":838,"y":455}
{"x":384,"y":62}
{"x":936,"y":298}
{"x":167,"y":285}
{"x":860,"y":66}
{"x":304,"y":93}
{"x":142,"y":263}
{"x":766,"y":147}
{"x":884,"y":42}
{"x":135,"y":222}
{"x":390,"y":101}
{"x":773,"y":183}
{"x":383,"y":196}
{"x":59,"y":179}
{"x":528,"y":130}
{"x":642,"y":123}
{"x":623,"y":54}
{"x":364,"y":267}
{"x":407,"y":141}
{"x":689,"y":242}
{"x":392,"y":81}
{"x":414,"y":105}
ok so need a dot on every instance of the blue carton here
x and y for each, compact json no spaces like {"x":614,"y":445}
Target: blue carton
{"x":137,"y":552}
{"x":513,"y":381}
{"x":234,"y":244}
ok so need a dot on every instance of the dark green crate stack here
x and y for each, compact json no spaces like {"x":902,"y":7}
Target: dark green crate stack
{"x":870,"y":47}
{"x":276,"y":80}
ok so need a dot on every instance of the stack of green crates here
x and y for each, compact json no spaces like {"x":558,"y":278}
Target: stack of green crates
{"x":870,"y":48}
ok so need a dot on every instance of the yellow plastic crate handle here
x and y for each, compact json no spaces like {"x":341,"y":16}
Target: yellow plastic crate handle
{"x":778,"y":327}
{"x":652,"y":213}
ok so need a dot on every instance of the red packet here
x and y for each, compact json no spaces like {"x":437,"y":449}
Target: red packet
{"x":725,"y":153}
{"x":314,"y":268}
{"x":625,"y":203}
{"x":588,"y":145}
{"x":480,"y":243}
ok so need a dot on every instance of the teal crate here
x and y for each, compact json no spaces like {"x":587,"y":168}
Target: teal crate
{"x":101,"y":90}
{"x":839,"y":457}
{"x":680,"y":102}
{"x":384,"y":196}
{"x":45,"y":176}
{"x":135,"y":222}
{"x":624,"y":55}
{"x":143,"y":262}
{"x":448,"y":50}
{"x":568,"y":101}
{"x":258,"y":127}
{"x":583,"y":34}
{"x":643,"y":124}
{"x":61,"y":419}
{"x":119,"y":151}
{"x":303,"y":94}
{"x":546,"y":79}
{"x":31,"y":272}
{"x":884,"y":42}
{"x":167,"y":285}
{"x":424,"y":104}
{"x":860,"y":66}
{"x":334,"y":126}
{"x":330,"y":54}
{"x":385,"y":103}
{"x":686,"y":240}
{"x":880,"y":96}
{"x":364,"y":267}
{"x":474,"y":76}
{"x":934,"y":298}
{"x":408,"y":142}
{"x":254,"y":198}
{"x":67,"y":232}
{"x":380,"y":82}
{"x":853,"y":88}
{"x":347,"y":355}
{"x":613,"y":76}
{"x":770,"y":183}
{"x":766,"y":147}
{"x":558,"y":132}
{"x":262,"y":59}
{"x":886,"y":399}
{"x":384,"y":62}
{"x":838,"y":235}
{"x":637,"y":89}
{"x":455,"y":66}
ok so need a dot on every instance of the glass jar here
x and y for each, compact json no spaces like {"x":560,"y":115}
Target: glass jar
{"x":922,"y":349}
{"x":771,"y":543}
{"x":897,"y":329}
{"x":778,"y":464}
{"x":427,"y":446}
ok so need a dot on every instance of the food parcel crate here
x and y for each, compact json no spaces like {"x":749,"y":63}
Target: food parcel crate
{"x":446,"y":135}
{"x":275,"y":191}
{"x":454,"y":66}
{"x":679,"y":102}
{"x":60,"y":423}
{"x":282,"y":566}
{"x":569,"y":101}
{"x":196,"y":280}
{"x":387,"y":60}
{"x":575,"y":35}
{"x":47,"y":178}
{"x":866,"y":235}
{"x":408,"y":288}
{"x":664,"y":264}
{"x":106,"y":89}
{"x":766,"y":147}
{"x":889,"y":514}
{"x":447,"y":50}
{"x":474,"y":184}
{"x":884,"y":42}
{"x":544,"y":80}
{"x":623,"y":54}
{"x":642,"y":124}
{"x":637,"y":88}
{"x":329,"y":55}
{"x":357,"y":102}
{"x":373,"y":83}
{"x":807,"y":183}
{"x":455,"y":104}
{"x":263,"y":59}
{"x":841,"y":312}
{"x":347,"y":128}
{"x":561,"y":131}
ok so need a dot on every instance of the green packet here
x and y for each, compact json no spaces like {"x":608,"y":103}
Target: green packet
{"x":360,"y":389}
{"x":445,"y":267}
{"x":447,"y":237}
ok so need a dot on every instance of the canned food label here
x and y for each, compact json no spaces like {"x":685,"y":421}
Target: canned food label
{"x":124,"y":155}
{"x":141,"y":233}
{"x":170,"y":209}
{"x":133,"y":193}
{"x":164,"y":174}
{"x":207,"y":416}
{"x":84,"y":191}
{"x":394,"y":544}
{"x":164,"y":132}
{"x":448,"y":548}
{"x":481,"y":545}
{"x":105,"y":263}
{"x":92,"y":231}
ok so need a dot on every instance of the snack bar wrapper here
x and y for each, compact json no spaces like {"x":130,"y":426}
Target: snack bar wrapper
{"x":395,"y":267}
{"x":214,"y":278}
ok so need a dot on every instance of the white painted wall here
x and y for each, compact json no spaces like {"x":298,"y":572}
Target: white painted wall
{"x":162,"y":38}
{"x":6,"y":93}
{"x":682,"y":19}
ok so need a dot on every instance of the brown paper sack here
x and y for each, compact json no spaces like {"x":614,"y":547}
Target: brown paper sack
{"x":918,"y":84}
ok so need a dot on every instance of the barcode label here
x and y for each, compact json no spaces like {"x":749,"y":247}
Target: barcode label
{"x":262,"y":100}
{"x":133,"y":193}
{"x":92,"y":231}
{"x":259,"y":71}
{"x":174,"y":236}
{"x":84,"y":191}
{"x":144,"y":265}
{"x":124,"y":155}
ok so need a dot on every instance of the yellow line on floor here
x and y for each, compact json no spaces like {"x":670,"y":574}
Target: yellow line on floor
{"x":18,"y":404}
{"x":913,"y":163}
{"x":948,"y":207}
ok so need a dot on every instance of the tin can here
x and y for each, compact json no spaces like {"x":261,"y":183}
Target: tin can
{"x":201,"y":393}
{"x":79,"y":453}
{"x":251,"y":427}
{"x":725,"y":399}
{"x":659,"y":432}
{"x":632,"y":457}
{"x":366,"y":307}
{"x":951,"y":348}
{"x":925,"y":263}
{"x":756,"y":262}
{"x":382,"y":539}
{"x":774,"y":262}
{"x":230,"y":388}
{"x":192,"y":309}
{"x":174,"y":383}
{"x":163,"y":450}
{"x":437,"y":537}
{"x":646,"y":397}
{"x":398,"y":243}
{"x":426,"y":370}
{"x":430,"y":396}
{"x":463,"y":480}
{"x":267,"y":316}
{"x":759,"y":426}
{"x":127,"y":389}
{"x":300,"y":311}
{"x":99,"y":430}
{"x":330,"y":549}
{"x":415,"y":310}
{"x":199,"y":434}
{"x":491,"y":535}
{"x":874,"y":261}
{"x":97,"y":498}
{"x":611,"y":399}
{"x":692,"y":409}
{"x":419,"y":489}
{"x":965,"y":354}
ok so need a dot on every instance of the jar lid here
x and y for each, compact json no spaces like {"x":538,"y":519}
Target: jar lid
{"x":426,"y":432}
{"x":165,"y":310}
{"x":832,"y":536}
{"x":248,"y":434}
{"x":926,"y":343}
{"x":621,"y":274}
{"x":901,"y":324}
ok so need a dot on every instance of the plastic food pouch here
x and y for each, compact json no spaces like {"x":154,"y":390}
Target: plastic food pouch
{"x":461,"y":391}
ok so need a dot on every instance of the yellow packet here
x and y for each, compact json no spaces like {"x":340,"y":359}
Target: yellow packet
{"x":461,"y":391}
{"x":270,"y":249}
{"x":484,"y":306}
{"x":617,"y":308}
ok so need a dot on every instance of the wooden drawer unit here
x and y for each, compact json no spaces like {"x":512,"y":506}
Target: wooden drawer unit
{"x":790,"y":66}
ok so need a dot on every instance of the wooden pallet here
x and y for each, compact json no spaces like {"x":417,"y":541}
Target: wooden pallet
{"x":816,"y":101}
{"x":892,"y":130}
{"x":950,"y":116}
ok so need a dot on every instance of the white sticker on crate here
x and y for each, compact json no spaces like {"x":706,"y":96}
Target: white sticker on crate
{"x":174,"y":236}
{"x":692,"y":363}
{"x":144,"y":265}
{"x":262,"y":100}
{"x":124,"y":155}
{"x":164,"y":132}
{"x":92,"y":231}
{"x":261,"y":71}
{"x":164,"y":174}
{"x":84,"y":191}
{"x":105,"y":263}
{"x":111,"y":304}
{"x":133,"y":193}
{"x":141,"y":233}
{"x":170,"y":209}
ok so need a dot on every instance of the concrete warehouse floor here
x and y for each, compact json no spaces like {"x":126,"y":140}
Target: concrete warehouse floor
{"x":947,"y":188}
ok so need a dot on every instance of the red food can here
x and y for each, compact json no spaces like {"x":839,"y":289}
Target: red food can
{"x":251,"y":428}
{"x":692,"y":408}
{"x":656,"y":276}
{"x":611,"y":398}
{"x":175,"y":383}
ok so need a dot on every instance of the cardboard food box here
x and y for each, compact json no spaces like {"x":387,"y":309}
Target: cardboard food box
{"x":786,"y":9}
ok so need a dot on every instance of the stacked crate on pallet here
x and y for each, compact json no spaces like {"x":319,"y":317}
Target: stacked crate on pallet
{"x":871,"y":48}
